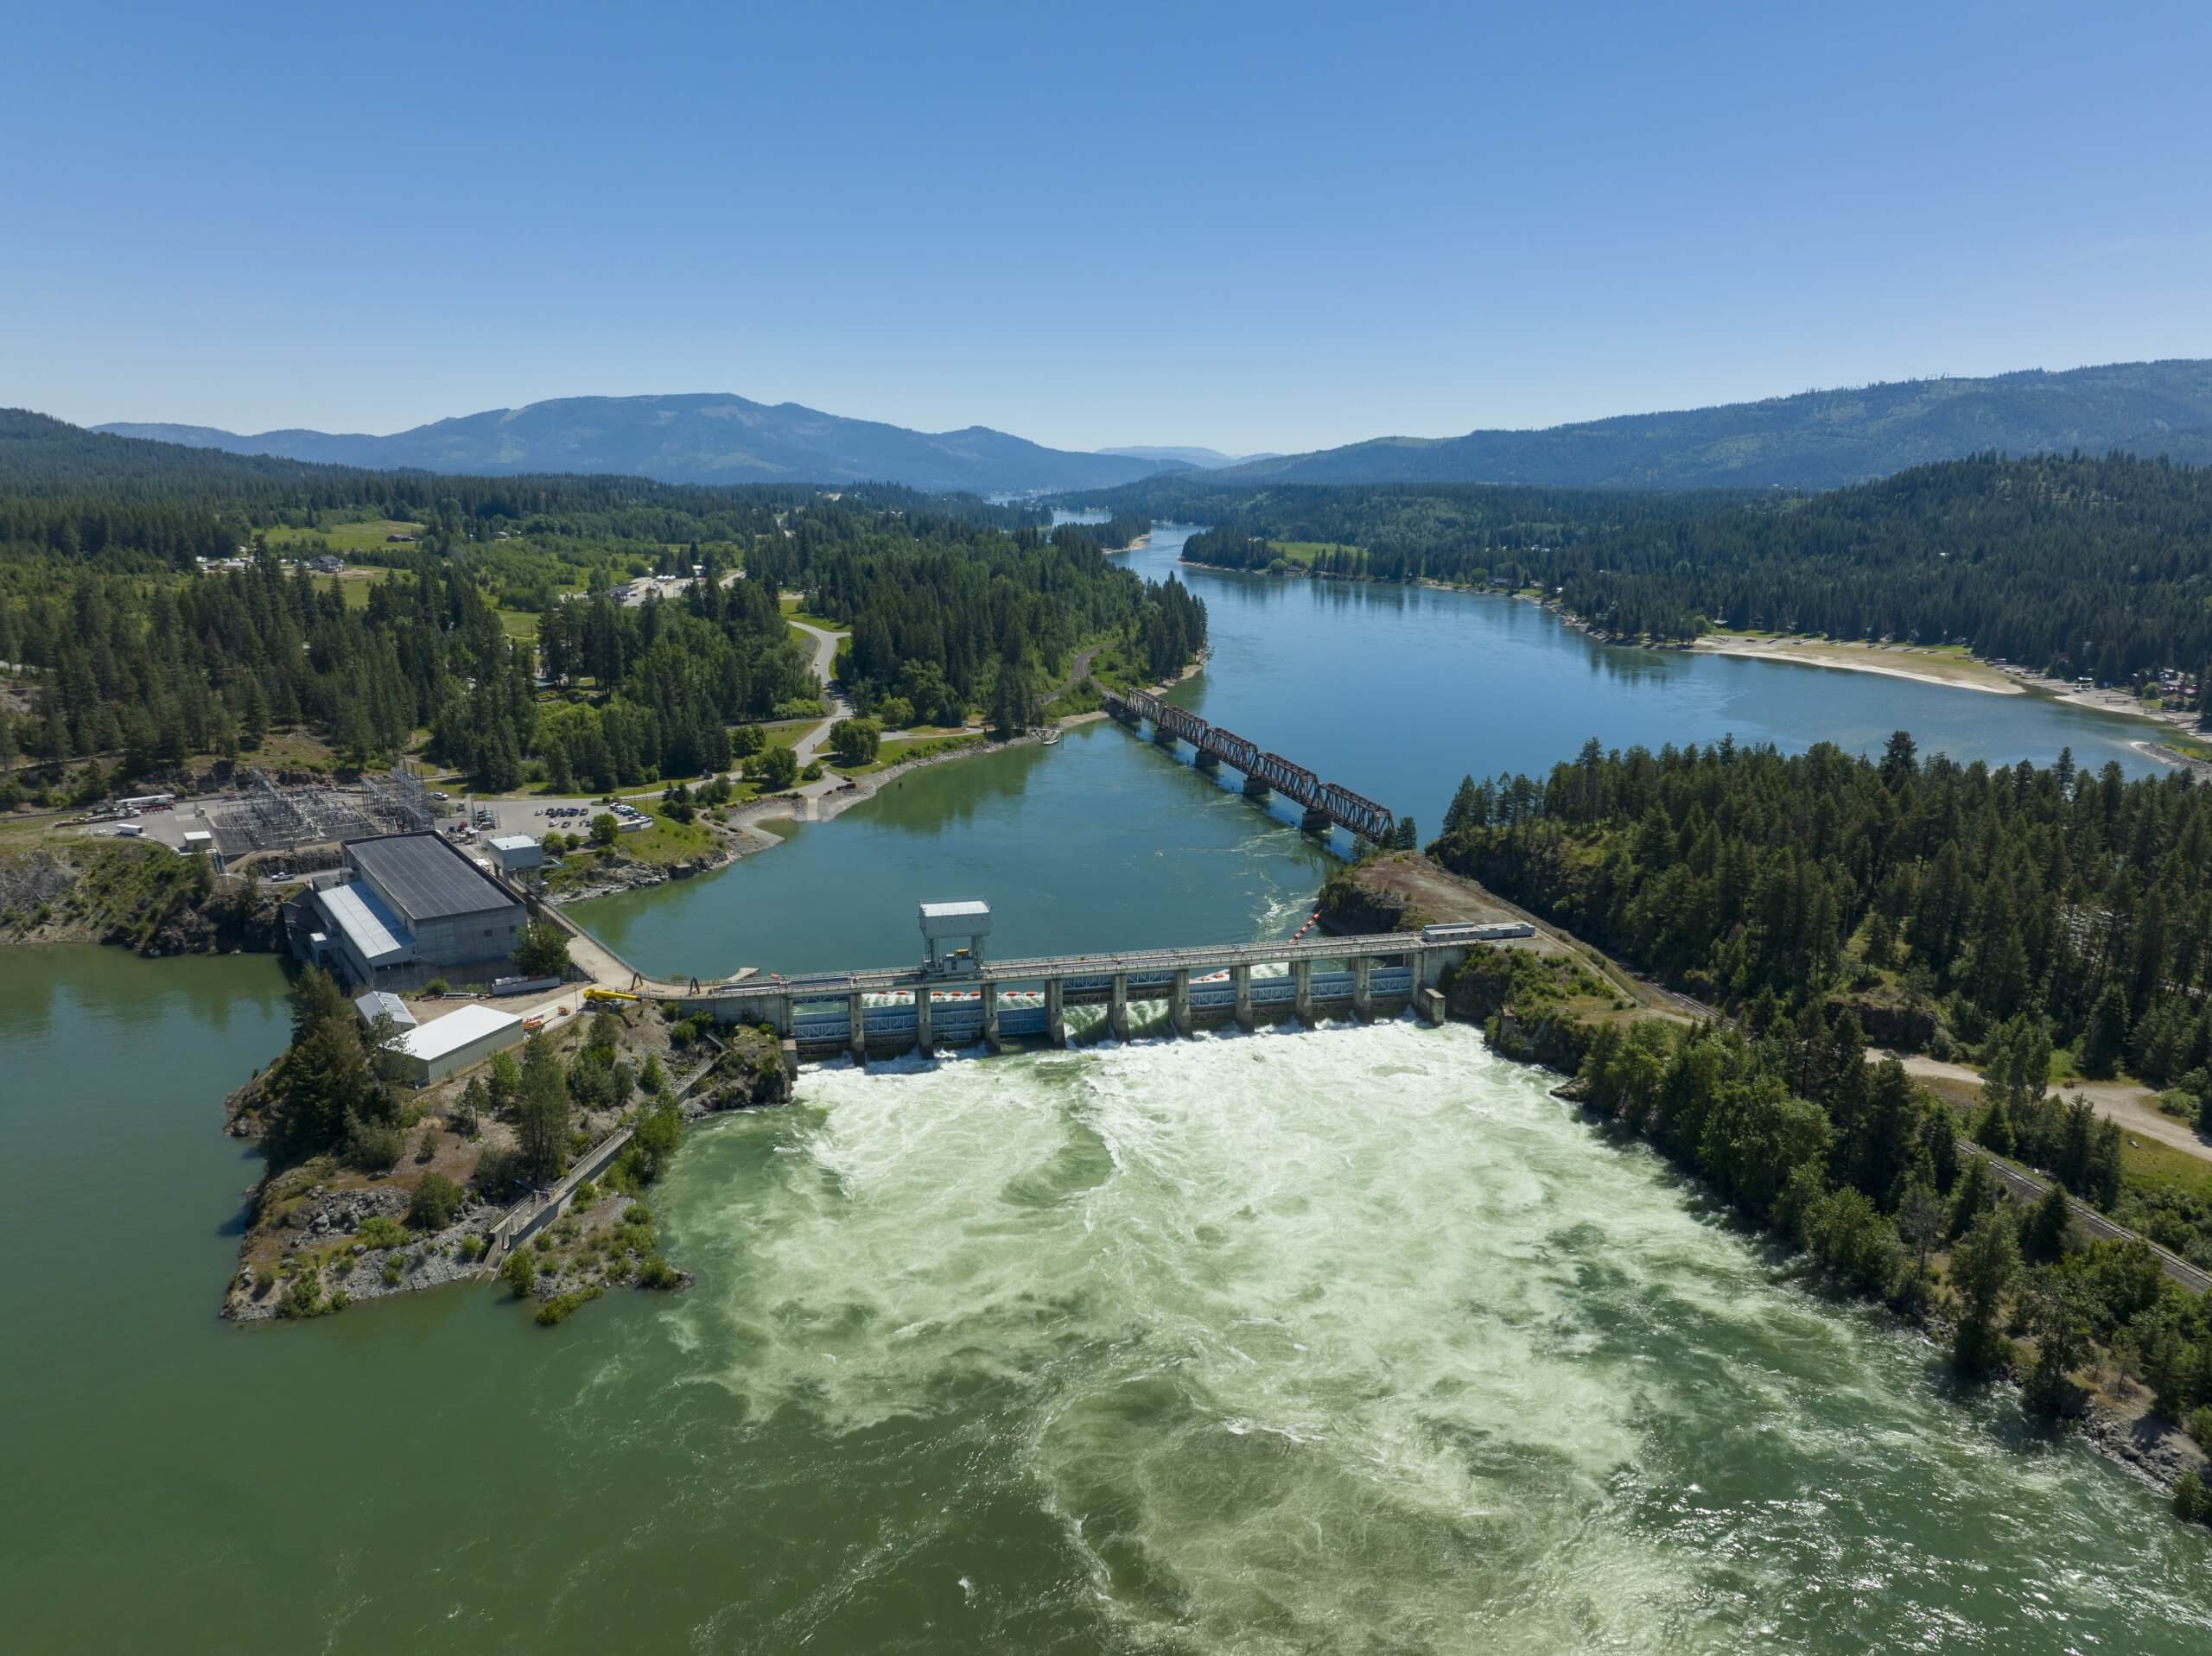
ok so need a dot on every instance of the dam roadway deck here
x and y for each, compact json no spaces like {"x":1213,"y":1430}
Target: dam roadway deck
{"x":887,"y":1010}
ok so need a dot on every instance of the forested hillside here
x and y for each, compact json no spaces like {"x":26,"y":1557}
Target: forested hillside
{"x":2030,"y":919}
{"x":2070,"y":565}
{"x":1816,"y":440}
{"x":2010,"y":911}
{"x":158,"y":603}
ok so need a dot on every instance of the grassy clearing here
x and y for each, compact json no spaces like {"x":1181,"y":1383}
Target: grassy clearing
{"x":1303,"y":553}
{"x":921,"y":745}
{"x":793,"y":612}
{"x":350,"y":537}
{"x":353,"y":586}
{"x":519,"y":624}
{"x":666,"y":841}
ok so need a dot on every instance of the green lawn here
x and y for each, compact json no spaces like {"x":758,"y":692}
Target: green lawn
{"x":666,"y":841}
{"x":920,"y":745}
{"x":350,"y":537}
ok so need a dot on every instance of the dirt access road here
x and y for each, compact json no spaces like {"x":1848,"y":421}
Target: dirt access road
{"x":2133,"y":1107}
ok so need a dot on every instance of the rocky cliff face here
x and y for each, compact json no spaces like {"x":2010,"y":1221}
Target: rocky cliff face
{"x":748,"y":1074}
{"x":140,"y":896}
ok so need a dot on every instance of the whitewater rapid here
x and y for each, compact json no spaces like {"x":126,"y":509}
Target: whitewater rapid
{"x":1348,"y":1339}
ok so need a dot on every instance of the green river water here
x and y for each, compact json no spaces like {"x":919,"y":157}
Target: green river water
{"x":1347,"y":1340}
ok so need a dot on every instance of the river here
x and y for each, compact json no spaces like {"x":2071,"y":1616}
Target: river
{"x":1354,"y":1339}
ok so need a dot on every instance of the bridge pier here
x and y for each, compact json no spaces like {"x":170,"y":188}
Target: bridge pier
{"x":990,"y":1016}
{"x":1117,"y":1010}
{"x":1256,"y":787}
{"x":1164,"y":736}
{"x":923,"y":1043}
{"x":858,"y":1014}
{"x":1208,"y":760}
{"x":1314,"y":821}
{"x":1242,"y":977}
{"x":1179,"y":1004}
{"x":1362,"y":997}
{"x":1056,"y":1016}
{"x":1301,"y":974}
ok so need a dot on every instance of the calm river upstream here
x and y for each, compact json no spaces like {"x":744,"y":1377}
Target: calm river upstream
{"x":1353,"y":1340}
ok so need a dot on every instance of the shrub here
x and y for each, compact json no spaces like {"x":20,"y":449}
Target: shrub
{"x":304,"y":1297}
{"x":499,"y":1172}
{"x":437,"y":1199}
{"x":657,"y":1273}
{"x":856,"y":741}
{"x":562,"y":1306}
{"x":373,"y":1147}
{"x":519,"y":1272}
{"x":427,"y":1149}
{"x":394,"y":1271}
{"x":585,"y":1194}
{"x":435,"y":986}
{"x":473,"y":1247}
{"x":378,"y":1231}
{"x":542,"y":950}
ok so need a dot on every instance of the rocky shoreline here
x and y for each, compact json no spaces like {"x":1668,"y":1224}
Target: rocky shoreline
{"x":137,"y":896}
{"x":322,"y":1236}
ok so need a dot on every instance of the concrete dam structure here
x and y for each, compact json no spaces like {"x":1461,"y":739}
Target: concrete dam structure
{"x":960,"y":999}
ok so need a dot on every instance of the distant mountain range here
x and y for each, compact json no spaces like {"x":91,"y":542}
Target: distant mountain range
{"x":697,"y":438}
{"x":1206,"y":459}
{"x":1816,"y":440}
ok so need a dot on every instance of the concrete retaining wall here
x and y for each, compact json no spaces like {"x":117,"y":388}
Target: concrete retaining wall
{"x":529,"y":1217}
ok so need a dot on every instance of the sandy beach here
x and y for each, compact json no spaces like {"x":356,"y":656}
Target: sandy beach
{"x":1887,"y":659}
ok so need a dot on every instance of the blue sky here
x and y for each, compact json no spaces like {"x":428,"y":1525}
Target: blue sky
{"x":1249,"y":226}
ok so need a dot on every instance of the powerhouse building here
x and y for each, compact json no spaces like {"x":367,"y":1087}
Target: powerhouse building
{"x":407,"y":909}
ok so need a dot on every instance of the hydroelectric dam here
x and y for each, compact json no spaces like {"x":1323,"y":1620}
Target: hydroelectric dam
{"x":957,"y":997}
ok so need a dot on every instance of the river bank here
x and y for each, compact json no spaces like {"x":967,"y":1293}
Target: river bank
{"x":1909,"y":664}
{"x":1538,"y":1002}
{"x":425,"y":1211}
{"x":138,"y":896}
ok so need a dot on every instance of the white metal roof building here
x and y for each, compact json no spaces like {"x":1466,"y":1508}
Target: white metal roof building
{"x":378,"y":1003}
{"x":465,"y":1036}
{"x":516,"y":852}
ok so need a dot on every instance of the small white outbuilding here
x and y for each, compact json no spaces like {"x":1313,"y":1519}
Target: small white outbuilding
{"x":466,"y":1035}
{"x":516,"y":853}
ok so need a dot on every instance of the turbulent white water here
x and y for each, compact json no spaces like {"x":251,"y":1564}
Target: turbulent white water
{"x":1349,"y":1339}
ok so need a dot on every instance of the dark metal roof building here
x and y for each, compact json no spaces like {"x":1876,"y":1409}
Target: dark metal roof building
{"x":424,"y":877}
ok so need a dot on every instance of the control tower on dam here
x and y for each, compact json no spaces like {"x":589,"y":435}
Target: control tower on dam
{"x":957,"y":997}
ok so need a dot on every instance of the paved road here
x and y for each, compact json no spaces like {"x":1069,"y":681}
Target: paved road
{"x":825,"y":662}
{"x":2134,"y":1108}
